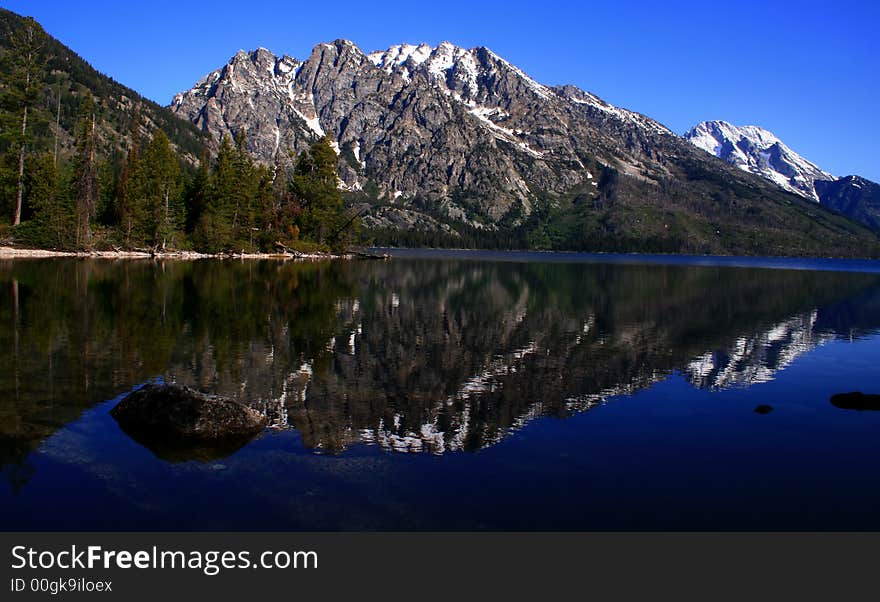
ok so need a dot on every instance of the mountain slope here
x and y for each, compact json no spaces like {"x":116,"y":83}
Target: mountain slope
{"x":853,"y":196}
{"x":68,"y":74}
{"x":453,"y":125}
{"x":758,"y":151}
{"x":460,"y":142}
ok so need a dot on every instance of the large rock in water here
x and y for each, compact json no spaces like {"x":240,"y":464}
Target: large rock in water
{"x":856,"y":401}
{"x":178,"y":423}
{"x":186,"y":413}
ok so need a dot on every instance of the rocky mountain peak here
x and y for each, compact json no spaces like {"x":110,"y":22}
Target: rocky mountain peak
{"x":440,"y":135}
{"x":399,"y":54}
{"x":339,"y":51}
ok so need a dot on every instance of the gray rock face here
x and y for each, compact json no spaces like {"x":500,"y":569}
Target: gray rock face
{"x":264,"y":83}
{"x":462,"y":132}
{"x":436,"y":137}
{"x":176,"y":413}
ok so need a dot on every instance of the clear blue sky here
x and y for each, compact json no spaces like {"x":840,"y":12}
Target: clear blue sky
{"x":807,"y":70}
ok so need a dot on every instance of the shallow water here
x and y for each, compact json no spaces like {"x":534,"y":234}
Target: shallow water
{"x":447,"y":391}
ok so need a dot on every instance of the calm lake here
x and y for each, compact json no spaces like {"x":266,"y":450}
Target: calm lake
{"x":447,"y":391}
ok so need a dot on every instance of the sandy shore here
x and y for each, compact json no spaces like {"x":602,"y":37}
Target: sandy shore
{"x":12,"y":252}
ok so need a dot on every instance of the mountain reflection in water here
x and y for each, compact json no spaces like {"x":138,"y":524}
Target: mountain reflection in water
{"x":410,"y":355}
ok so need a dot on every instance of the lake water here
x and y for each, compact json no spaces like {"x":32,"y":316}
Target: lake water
{"x":447,"y":391}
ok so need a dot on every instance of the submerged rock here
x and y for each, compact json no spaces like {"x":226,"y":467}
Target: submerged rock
{"x":856,"y":400}
{"x":178,"y":423}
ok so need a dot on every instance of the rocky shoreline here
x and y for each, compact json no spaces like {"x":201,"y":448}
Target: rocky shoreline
{"x":7,"y":252}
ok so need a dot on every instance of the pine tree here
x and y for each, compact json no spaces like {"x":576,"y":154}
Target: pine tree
{"x":25,"y":66}
{"x":214,"y":229}
{"x":315,"y":187}
{"x":109,"y":177}
{"x":163,"y":186}
{"x":52,"y":217}
{"x":245,"y":182}
{"x":195,"y":194}
{"x":129,"y":193}
{"x":262,"y":212}
{"x":85,"y":183}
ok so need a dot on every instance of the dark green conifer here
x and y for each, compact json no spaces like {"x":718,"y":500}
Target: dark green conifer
{"x":25,"y":65}
{"x":85,"y":169}
{"x":162,"y":191}
{"x":315,"y":185}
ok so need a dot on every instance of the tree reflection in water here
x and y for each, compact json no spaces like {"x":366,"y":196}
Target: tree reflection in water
{"x":412,"y":355}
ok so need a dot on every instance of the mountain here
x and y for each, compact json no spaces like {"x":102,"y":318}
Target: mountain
{"x":460,"y":127}
{"x":852,"y":196}
{"x":462,"y":143}
{"x":69,"y":76}
{"x":758,"y":151}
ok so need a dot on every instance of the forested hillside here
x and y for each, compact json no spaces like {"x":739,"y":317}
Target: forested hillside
{"x":87,"y":163}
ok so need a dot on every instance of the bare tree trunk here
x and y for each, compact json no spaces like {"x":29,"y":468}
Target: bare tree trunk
{"x":88,"y":192}
{"x":57,"y":125}
{"x":92,"y":192}
{"x":167,"y":218}
{"x":24,"y":115}
{"x":17,"y":219}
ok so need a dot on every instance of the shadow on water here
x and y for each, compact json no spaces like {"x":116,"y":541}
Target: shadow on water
{"x":172,"y":449}
{"x":408,"y":355}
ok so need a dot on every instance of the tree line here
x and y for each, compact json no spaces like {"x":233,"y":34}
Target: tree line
{"x":148,"y":197}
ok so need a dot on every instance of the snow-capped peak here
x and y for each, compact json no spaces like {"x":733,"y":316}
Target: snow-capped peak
{"x":468,"y":96}
{"x":444,"y":57}
{"x":455,"y":69}
{"x":405,"y":59}
{"x":759,"y":151}
{"x":711,"y":135}
{"x":399,"y":54}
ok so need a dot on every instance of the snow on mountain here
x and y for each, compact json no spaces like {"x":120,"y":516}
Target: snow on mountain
{"x":758,"y":151}
{"x":385,"y":108}
{"x":456,"y":70}
{"x":441,"y":135}
{"x":403,"y":58}
{"x":267,"y":82}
